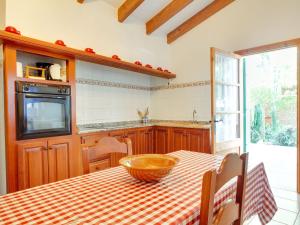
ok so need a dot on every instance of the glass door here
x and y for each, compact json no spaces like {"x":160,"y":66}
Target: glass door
{"x":225,"y":102}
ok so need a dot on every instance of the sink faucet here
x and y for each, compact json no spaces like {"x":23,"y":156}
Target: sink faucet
{"x":194,"y":115}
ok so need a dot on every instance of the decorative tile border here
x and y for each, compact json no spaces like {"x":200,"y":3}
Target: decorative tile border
{"x":112,"y":84}
{"x":181,"y":85}
{"x":140,"y":87}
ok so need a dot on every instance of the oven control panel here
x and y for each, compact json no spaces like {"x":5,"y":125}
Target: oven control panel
{"x":27,"y":87}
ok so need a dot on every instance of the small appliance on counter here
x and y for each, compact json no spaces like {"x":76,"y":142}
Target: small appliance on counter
{"x":42,"y":110}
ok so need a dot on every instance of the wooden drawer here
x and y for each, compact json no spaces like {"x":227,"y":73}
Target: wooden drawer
{"x":99,"y":165}
{"x":93,"y":139}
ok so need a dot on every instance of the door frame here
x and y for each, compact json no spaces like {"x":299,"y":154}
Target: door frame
{"x":236,"y":142}
{"x":274,"y":47}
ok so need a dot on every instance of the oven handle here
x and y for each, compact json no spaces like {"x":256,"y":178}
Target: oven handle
{"x":45,"y":96}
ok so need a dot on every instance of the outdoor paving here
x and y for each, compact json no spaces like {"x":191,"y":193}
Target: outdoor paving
{"x":280,"y":164}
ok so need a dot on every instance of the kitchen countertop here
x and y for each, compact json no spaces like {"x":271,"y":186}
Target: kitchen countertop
{"x":98,"y":127}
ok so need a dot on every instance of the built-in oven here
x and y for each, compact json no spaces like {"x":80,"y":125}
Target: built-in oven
{"x":42,"y":110}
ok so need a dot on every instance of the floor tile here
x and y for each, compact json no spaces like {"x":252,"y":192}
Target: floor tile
{"x":255,"y":221}
{"x":290,"y":195}
{"x":284,"y":216}
{"x":275,"y":223}
{"x":297,"y":222}
{"x":287,"y":204}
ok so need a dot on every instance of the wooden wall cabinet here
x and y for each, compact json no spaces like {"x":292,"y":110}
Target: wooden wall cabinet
{"x":44,"y":161}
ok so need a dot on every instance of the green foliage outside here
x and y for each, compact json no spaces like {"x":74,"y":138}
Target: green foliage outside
{"x":274,"y":133}
{"x":272,"y":91}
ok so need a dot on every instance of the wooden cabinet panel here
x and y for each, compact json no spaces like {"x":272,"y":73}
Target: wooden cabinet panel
{"x":146,"y":141}
{"x":59,"y":159}
{"x":32,"y":164}
{"x":49,"y":160}
{"x":196,"y":141}
{"x":199,"y":140}
{"x":99,"y":165}
{"x":119,"y":134}
{"x":133,"y":135}
{"x":180,"y":139}
{"x":207,"y":141}
{"x":93,"y":139}
{"x":162,"y":140}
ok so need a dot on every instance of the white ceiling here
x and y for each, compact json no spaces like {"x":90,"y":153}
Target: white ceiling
{"x":150,"y":8}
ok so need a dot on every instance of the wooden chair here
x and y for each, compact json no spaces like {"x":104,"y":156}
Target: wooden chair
{"x":103,"y":154}
{"x":232,"y":166}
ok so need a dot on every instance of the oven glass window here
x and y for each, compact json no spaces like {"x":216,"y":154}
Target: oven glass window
{"x":45,"y":115}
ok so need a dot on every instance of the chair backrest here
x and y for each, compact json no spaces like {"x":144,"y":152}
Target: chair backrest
{"x":105,"y":146}
{"x":231,"y":212}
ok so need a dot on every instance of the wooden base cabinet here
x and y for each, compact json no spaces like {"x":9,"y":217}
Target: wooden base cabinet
{"x":42,"y":162}
{"x":197,"y":140}
{"x":180,"y":139}
{"x":155,"y":139}
{"x":162,"y":140}
{"x":32,"y":164}
{"x":146,"y":141}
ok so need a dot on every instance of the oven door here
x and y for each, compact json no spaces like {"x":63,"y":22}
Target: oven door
{"x":42,"y":115}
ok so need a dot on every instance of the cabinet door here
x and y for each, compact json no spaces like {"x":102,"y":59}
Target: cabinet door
{"x":196,"y":140}
{"x":146,"y":141}
{"x":133,"y":136}
{"x":200,"y":140}
{"x":59,"y":151}
{"x":161,"y":140}
{"x":180,"y":139}
{"x":32,"y":164}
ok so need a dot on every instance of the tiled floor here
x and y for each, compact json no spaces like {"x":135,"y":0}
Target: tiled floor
{"x":280,"y":164}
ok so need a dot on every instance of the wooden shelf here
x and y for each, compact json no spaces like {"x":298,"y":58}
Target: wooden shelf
{"x":42,"y":81}
{"x":19,"y":40}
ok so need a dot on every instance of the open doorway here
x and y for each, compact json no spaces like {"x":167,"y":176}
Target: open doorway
{"x":270,"y":122}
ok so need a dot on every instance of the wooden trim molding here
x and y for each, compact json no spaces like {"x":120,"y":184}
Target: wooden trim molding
{"x":165,"y":14}
{"x":26,"y":42}
{"x":269,"y":47}
{"x":127,"y":8}
{"x":198,"y":18}
{"x":298,"y":118}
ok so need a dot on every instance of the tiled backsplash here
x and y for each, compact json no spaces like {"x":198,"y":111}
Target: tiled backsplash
{"x":108,"y":101}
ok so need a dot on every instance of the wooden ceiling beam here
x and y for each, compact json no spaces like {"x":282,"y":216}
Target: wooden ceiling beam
{"x":127,"y":8}
{"x":165,"y":14}
{"x":198,"y":18}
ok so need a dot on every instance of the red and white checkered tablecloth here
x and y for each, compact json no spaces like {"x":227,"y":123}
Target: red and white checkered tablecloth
{"x":113,"y":197}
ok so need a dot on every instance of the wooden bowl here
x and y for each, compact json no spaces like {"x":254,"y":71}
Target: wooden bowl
{"x":149,"y":167}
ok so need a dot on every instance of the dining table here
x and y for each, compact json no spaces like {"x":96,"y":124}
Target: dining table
{"x":113,"y":197}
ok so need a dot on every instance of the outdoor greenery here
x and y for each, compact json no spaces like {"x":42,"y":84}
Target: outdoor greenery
{"x":274,"y":132}
{"x":273,"y":99}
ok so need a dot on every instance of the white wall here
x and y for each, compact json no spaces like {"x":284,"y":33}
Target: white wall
{"x":2,"y":130}
{"x":2,"y":14}
{"x":242,"y":24}
{"x":98,"y":103}
{"x":94,"y":24}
